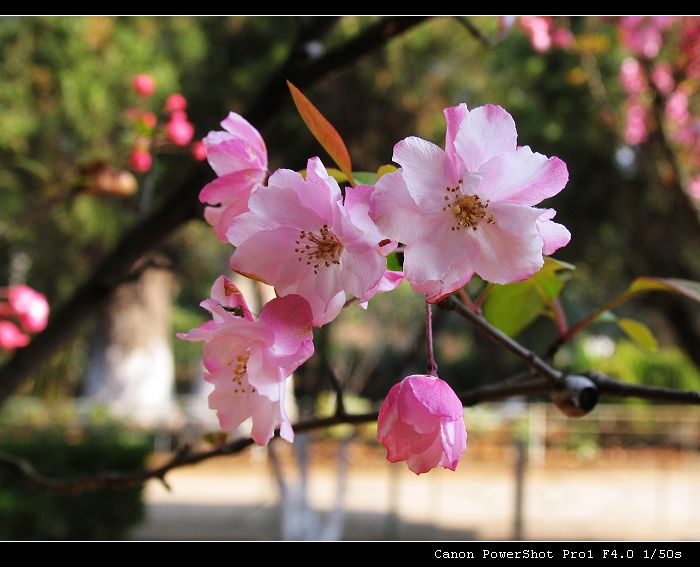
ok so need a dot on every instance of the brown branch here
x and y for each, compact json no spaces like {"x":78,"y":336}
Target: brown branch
{"x":522,"y":385}
{"x":475,"y":32}
{"x":180,"y":207}
{"x":607,"y":385}
{"x":337,"y":386}
{"x":499,"y":337}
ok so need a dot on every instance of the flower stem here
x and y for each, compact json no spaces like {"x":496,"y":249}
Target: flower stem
{"x":432,"y":365}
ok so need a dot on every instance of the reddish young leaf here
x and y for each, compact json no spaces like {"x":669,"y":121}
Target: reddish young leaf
{"x":323,"y":131}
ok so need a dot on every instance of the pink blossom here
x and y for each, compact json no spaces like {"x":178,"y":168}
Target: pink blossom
{"x":140,"y":160}
{"x":643,"y":35}
{"x":422,"y":422}
{"x":662,"y":77}
{"x":677,"y":108}
{"x":248,"y":361}
{"x":636,"y":131}
{"x":562,"y":38}
{"x":538,"y":29}
{"x":694,"y":188}
{"x":143,"y":85}
{"x":175,"y":102}
{"x":632,"y":76}
{"x":149,"y":120}
{"x":239,"y":157}
{"x":180,"y":131}
{"x":30,"y":307}
{"x":11,"y":337}
{"x":300,"y":236}
{"x":470,"y":209}
{"x":199,"y":151}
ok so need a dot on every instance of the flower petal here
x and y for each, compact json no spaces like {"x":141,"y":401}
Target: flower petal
{"x":258,"y":257}
{"x":554,"y":235}
{"x":484,"y":133}
{"x":436,"y":396}
{"x":522,"y":177}
{"x":423,"y":172}
{"x":510,"y":249}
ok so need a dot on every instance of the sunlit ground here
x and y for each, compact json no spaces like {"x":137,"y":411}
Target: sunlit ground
{"x":580,"y":492}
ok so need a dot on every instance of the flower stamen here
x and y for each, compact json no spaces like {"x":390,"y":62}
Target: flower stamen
{"x":319,"y":249}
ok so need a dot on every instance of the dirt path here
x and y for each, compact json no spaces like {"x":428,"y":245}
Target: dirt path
{"x":236,"y":498}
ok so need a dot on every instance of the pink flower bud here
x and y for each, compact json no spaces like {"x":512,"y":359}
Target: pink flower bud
{"x":636,"y":124}
{"x":30,"y":306}
{"x":562,"y":38}
{"x":422,"y":422}
{"x":199,"y":150}
{"x":11,"y":337}
{"x":140,"y":160}
{"x":149,"y":120}
{"x":180,"y":132}
{"x":175,"y":102}
{"x":143,"y":85}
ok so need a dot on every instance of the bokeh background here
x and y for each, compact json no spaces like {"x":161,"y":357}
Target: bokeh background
{"x":124,"y":392}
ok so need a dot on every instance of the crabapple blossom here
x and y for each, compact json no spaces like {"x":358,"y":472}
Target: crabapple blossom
{"x":143,"y":85}
{"x":30,"y":307}
{"x":248,"y":360}
{"x":199,"y":151}
{"x":632,"y":76}
{"x":11,"y":337}
{"x":302,"y":237}
{"x":175,"y":102}
{"x":239,"y":157}
{"x":470,"y":208}
{"x":662,"y":77}
{"x":180,"y":131}
{"x":140,"y":160}
{"x":422,"y":422}
{"x":636,"y":130}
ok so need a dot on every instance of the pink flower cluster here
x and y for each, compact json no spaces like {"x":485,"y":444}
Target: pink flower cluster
{"x":178,"y":130}
{"x":661,"y":67}
{"x":470,"y":208}
{"x":24,"y":311}
{"x":545,"y":32}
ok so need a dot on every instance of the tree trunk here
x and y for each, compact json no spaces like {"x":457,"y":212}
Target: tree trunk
{"x":131,"y":367}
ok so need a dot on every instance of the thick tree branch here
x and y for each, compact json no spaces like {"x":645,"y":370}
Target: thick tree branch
{"x":181,"y":206}
{"x":607,"y":385}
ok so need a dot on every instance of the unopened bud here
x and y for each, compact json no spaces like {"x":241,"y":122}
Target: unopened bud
{"x":143,"y":85}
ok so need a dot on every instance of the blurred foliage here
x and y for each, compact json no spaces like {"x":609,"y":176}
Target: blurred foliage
{"x":26,"y":513}
{"x":65,"y":84}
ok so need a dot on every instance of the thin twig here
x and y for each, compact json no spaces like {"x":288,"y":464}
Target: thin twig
{"x":499,"y":337}
{"x":611,"y":387}
{"x":475,"y":32}
{"x":337,"y":385}
{"x":432,"y":365}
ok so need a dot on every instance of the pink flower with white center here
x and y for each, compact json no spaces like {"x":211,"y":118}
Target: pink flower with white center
{"x":239,"y":157}
{"x":248,"y":361}
{"x":30,"y":307}
{"x":11,"y":337}
{"x":180,"y":131}
{"x":300,"y":236}
{"x":470,"y":209}
{"x":632,"y":76}
{"x":422,"y":422}
{"x":143,"y":85}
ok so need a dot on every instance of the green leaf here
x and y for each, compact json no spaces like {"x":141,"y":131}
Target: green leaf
{"x":366,"y":177}
{"x":336,"y":174}
{"x":392,"y":263}
{"x":639,"y":333}
{"x":384,"y":169}
{"x":512,"y":307}
{"x":323,"y":131}
{"x":687,"y":288}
